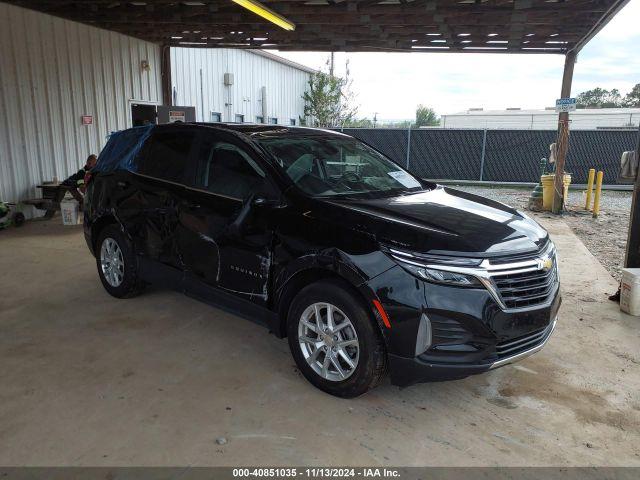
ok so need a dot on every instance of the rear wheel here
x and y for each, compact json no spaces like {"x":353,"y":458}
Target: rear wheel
{"x":117,"y":264}
{"x":334,"y":341}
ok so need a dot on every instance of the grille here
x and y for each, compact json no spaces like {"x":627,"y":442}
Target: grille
{"x":526,"y":289}
{"x":518,"y":345}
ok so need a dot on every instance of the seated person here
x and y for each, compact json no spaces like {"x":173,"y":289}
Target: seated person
{"x":76,"y":181}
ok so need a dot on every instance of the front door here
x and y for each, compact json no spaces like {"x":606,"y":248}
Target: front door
{"x":215,"y":249}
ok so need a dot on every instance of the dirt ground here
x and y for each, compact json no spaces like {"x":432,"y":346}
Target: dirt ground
{"x":605,"y":236}
{"x":157,"y":380}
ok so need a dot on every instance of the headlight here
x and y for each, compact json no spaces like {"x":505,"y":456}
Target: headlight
{"x":442,"y":276}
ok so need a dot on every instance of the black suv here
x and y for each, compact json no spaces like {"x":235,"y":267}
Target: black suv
{"x":363,"y":266}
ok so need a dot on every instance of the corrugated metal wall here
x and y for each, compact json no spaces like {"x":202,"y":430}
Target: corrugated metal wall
{"x":53,"y":71}
{"x":284,"y":84}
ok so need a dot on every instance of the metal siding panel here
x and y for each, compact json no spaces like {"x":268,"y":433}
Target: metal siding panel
{"x":285,"y":85}
{"x":51,"y":72}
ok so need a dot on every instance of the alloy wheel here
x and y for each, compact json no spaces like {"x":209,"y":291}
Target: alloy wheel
{"x":112,"y":262}
{"x":328,"y":341}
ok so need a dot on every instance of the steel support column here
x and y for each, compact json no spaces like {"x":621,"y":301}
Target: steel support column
{"x":562,"y":143}
{"x":167,"y":98}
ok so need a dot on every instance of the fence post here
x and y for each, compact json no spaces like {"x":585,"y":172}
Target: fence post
{"x":484,"y":149}
{"x":408,"y":145}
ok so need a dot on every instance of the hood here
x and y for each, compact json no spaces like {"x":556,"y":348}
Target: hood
{"x":445,"y":220}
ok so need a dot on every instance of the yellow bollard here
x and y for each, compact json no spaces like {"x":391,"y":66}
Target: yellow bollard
{"x":592,"y":174}
{"x":596,"y":199}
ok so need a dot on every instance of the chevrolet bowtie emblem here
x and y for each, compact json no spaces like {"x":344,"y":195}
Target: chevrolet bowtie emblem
{"x":545,"y":264}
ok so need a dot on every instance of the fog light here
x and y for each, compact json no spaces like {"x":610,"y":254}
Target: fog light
{"x":423,"y":340}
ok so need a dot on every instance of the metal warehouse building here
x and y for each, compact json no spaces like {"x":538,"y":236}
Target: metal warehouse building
{"x":64,"y":86}
{"x":517,"y":119}
{"x":239,"y":85}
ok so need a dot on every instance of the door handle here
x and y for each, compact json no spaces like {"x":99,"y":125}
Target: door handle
{"x":122,"y":185}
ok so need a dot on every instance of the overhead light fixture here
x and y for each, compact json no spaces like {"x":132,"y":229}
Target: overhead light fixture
{"x":267,"y":14}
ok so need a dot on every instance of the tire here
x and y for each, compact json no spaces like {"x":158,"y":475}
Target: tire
{"x":355,"y":333}
{"x":119,"y":275}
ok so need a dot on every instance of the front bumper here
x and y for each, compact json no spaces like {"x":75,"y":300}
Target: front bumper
{"x":408,"y":371}
{"x":470,"y":332}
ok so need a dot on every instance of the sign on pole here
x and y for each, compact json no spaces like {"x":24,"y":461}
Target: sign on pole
{"x":565,"y":105}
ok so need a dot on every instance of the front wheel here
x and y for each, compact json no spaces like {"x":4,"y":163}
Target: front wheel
{"x":334,"y":341}
{"x":117,"y":264}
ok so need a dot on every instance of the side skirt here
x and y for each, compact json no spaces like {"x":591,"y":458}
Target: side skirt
{"x":168,"y":277}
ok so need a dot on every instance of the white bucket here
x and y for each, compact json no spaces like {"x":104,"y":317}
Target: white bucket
{"x":630,"y":291}
{"x":70,"y":210}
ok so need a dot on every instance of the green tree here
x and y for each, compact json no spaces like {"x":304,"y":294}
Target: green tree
{"x":398,"y":124}
{"x":329,"y":102}
{"x":632,"y":99}
{"x":358,"y":123}
{"x":599,"y":98}
{"x":426,"y":117}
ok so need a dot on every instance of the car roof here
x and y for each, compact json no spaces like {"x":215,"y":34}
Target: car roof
{"x":261,"y":130}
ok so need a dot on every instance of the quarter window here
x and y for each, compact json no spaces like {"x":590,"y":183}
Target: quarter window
{"x":165,"y":155}
{"x":227,"y":169}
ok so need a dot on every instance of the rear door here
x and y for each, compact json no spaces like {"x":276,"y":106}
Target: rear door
{"x":160,"y":186}
{"x":227,"y":175}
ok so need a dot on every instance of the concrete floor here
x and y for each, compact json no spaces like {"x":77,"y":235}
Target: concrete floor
{"x":86,"y":379}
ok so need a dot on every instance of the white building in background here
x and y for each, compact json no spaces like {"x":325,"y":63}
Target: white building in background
{"x":514,"y":118}
{"x":64,"y":87}
{"x":231,"y":85}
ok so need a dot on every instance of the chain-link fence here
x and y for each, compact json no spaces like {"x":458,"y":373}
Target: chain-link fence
{"x":497,"y":155}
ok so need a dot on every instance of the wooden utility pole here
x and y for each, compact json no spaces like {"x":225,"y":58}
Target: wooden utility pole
{"x":562,"y":144}
{"x":632,"y":257}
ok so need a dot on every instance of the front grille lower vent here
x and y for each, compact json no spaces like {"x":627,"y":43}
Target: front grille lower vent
{"x":518,"y":345}
{"x":447,"y":331}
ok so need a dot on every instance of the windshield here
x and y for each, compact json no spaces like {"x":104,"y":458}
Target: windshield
{"x":338,"y":166}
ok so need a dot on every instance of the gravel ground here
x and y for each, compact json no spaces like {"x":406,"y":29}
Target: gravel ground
{"x":605,"y":236}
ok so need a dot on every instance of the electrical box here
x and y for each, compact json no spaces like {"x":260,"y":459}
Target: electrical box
{"x":228,"y":78}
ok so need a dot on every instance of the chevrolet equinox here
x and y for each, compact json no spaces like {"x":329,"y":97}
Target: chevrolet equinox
{"x":363,"y":266}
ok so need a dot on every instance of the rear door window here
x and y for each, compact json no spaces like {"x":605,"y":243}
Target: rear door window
{"x":166,"y":155}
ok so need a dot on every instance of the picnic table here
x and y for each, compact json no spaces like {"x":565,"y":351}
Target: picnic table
{"x":52,"y":195}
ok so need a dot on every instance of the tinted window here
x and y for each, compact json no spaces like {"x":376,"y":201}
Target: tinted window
{"x":166,"y":155}
{"x":227,"y":169}
{"x":332,"y":166}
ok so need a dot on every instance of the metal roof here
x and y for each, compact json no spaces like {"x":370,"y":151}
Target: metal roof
{"x":498,"y":26}
{"x":282,"y":60}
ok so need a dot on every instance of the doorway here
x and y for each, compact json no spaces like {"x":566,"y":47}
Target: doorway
{"x":142,"y":114}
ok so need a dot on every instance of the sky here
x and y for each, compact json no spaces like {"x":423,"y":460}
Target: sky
{"x":393,"y":84}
